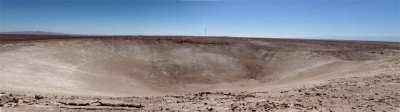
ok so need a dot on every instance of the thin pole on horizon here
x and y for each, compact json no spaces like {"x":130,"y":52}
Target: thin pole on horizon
{"x":205,"y":32}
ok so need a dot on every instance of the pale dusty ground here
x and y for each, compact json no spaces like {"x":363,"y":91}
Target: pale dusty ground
{"x":197,"y":74}
{"x":376,"y":93}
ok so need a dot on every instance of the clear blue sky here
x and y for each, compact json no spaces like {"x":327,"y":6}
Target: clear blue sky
{"x":326,"y":19}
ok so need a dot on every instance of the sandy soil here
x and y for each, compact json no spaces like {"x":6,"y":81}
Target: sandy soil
{"x":144,"y":73}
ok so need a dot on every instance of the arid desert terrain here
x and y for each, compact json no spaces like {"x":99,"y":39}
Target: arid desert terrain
{"x":183,"y":73}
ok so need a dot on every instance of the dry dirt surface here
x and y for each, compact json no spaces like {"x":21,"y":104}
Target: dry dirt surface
{"x":166,"y":73}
